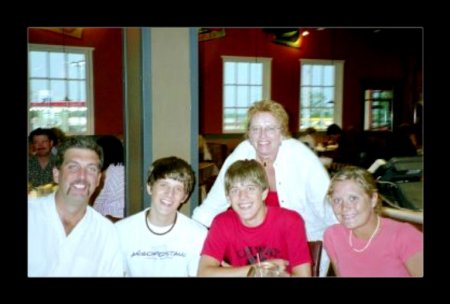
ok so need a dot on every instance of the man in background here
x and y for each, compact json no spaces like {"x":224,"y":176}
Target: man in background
{"x":40,"y":164}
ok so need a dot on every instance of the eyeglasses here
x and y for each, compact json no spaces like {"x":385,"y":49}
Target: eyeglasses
{"x":269,"y":130}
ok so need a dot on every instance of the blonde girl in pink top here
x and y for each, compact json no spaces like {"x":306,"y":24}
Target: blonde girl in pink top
{"x":364,"y":244}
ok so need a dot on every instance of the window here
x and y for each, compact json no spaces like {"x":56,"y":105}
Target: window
{"x":378,"y":109}
{"x":320,"y":93}
{"x":245,"y":80}
{"x":60,"y":88}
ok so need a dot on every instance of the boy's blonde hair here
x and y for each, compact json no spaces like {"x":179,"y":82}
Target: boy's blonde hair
{"x":246,"y":170}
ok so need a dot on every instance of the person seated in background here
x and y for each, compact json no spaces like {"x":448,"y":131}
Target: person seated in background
{"x":334,"y":133}
{"x":349,"y":142}
{"x":405,"y":141}
{"x":251,"y":232}
{"x":58,"y":137}
{"x":160,"y":241}
{"x":66,"y":237}
{"x":41,"y":163}
{"x":308,"y":137}
{"x":110,"y":197}
{"x":364,"y":244}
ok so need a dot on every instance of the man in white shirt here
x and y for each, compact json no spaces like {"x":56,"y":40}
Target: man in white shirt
{"x":66,"y":237}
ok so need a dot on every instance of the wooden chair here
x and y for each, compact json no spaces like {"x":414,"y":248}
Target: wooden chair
{"x":315,"y":248}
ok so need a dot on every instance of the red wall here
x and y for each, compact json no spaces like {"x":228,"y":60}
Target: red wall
{"x":392,"y":56}
{"x":107,"y":69}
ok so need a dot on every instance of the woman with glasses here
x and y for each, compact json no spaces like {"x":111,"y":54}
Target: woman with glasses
{"x":297,"y":179}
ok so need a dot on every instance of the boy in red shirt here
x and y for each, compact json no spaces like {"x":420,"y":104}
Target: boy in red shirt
{"x":251,"y":232}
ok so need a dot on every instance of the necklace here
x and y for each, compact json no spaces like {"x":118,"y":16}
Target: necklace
{"x":368,"y":242}
{"x":159,"y":233}
{"x":264,"y":162}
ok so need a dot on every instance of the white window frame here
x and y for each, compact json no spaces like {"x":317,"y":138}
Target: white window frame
{"x":266,"y":83}
{"x":87,"y":51}
{"x":338,"y":88}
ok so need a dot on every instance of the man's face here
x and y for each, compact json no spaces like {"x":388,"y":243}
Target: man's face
{"x":79,"y":174}
{"x":42,"y":145}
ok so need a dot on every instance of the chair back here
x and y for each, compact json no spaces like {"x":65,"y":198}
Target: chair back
{"x":315,"y":248}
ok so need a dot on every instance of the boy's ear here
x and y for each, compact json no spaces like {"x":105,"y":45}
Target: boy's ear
{"x":149,"y":189}
{"x":264,"y":194}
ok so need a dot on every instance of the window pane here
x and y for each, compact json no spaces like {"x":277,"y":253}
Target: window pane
{"x":77,"y":120}
{"x":243,"y":73}
{"x":306,"y":74}
{"x":241,"y":119}
{"x":328,"y":75}
{"x":316,"y":97}
{"x":256,"y":72}
{"x":229,"y":119}
{"x":255,"y":93}
{"x":58,"y":90}
{"x":230,"y":73}
{"x":306,"y":97}
{"x":77,"y":90}
{"x":316,"y":75}
{"x":39,"y":91}
{"x":230,"y":96}
{"x":76,"y":70}
{"x":304,"y":119}
{"x":327,"y":118}
{"x":242,"y":96}
{"x":328,"y":94}
{"x":38,"y":64}
{"x":57,"y":65}
{"x":386,"y":94}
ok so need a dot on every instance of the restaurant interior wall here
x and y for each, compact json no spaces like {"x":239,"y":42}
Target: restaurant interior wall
{"x":107,"y":69}
{"x":393,"y":55}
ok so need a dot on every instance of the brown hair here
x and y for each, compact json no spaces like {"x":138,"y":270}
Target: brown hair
{"x":273,"y":107}
{"x":174,"y":168}
{"x":79,"y":142}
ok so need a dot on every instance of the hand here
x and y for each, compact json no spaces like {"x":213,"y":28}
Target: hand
{"x":269,"y":268}
{"x":280,"y":263}
{"x":225,"y":264}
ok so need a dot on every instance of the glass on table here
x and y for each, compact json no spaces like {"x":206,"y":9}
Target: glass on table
{"x":265,"y":269}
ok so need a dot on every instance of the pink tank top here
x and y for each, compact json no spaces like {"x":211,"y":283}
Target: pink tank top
{"x":272,"y":199}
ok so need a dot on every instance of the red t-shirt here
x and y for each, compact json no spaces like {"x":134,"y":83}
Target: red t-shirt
{"x":281,"y":235}
{"x":272,"y":199}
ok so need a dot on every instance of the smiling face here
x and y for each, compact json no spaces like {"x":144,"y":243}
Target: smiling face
{"x":247,"y":200}
{"x":167,"y":195}
{"x":78,"y":175}
{"x":265,"y":134}
{"x":42,"y":145}
{"x":353,"y":207}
